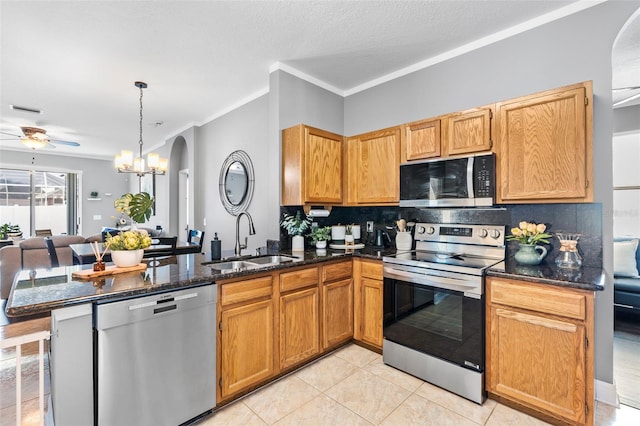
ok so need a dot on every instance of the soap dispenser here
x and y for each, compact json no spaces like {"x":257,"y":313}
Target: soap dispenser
{"x":216,"y":247}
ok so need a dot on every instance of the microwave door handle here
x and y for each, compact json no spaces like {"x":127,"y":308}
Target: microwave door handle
{"x":430,"y":280}
{"x":470,"y":185}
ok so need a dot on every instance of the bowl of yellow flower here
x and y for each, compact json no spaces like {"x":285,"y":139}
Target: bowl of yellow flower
{"x":127,"y":248}
{"x":530,"y":235}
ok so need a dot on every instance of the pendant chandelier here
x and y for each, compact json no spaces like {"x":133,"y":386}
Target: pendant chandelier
{"x":125,"y":163}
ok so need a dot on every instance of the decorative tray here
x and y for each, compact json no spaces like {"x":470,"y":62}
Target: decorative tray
{"x":346,"y":246}
{"x":109,"y":270}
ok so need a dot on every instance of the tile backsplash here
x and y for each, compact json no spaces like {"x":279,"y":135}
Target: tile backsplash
{"x":585,"y":219}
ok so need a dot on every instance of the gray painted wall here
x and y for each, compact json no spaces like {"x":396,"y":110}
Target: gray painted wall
{"x":95,"y":175}
{"x":245,"y":128}
{"x":570,"y":50}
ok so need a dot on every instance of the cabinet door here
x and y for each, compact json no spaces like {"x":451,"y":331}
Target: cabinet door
{"x":421,"y":140}
{"x":373,"y":175}
{"x":545,"y":147}
{"x":468,"y":131}
{"x":538,"y":361}
{"x":299,"y":327}
{"x":311,"y":166}
{"x":323,"y":167}
{"x":371,"y":311}
{"x":246,"y":346}
{"x":337,"y":312}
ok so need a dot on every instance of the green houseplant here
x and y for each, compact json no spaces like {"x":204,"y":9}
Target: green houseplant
{"x":137,"y":206}
{"x":320,"y":236}
{"x":295,"y":226}
{"x":7,"y":230}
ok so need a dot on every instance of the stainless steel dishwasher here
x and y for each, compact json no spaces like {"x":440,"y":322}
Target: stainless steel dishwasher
{"x":154,"y":358}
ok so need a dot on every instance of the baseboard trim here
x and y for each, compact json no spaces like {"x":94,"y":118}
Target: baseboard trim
{"x":606,"y":393}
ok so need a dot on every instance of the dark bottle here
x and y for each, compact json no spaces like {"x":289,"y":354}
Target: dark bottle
{"x":216,"y":247}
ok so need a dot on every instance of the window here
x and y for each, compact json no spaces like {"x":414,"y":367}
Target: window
{"x":626,"y":185}
{"x":38,"y":200}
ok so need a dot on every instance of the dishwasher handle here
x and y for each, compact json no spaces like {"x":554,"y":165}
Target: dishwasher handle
{"x":118,"y":313}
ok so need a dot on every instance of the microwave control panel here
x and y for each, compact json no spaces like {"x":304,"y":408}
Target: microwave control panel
{"x":484,"y":172}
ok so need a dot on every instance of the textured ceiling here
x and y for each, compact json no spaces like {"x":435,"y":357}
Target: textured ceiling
{"x":78,"y":60}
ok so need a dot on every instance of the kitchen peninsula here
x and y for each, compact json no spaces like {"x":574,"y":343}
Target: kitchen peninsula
{"x":306,"y":294}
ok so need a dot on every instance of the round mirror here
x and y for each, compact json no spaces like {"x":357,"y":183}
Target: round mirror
{"x":236,"y":182}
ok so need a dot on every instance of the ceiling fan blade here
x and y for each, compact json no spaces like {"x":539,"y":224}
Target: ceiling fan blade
{"x":10,"y":134}
{"x":68,"y":143}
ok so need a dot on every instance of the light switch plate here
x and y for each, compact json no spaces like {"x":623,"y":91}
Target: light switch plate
{"x":97,"y":217}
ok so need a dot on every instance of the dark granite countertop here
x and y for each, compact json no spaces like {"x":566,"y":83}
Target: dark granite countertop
{"x":584,"y":278}
{"x":43,"y":290}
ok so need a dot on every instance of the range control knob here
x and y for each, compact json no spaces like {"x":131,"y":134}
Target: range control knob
{"x":420,"y":230}
{"x":495,"y":234}
{"x":483,"y":233}
{"x":431,"y":230}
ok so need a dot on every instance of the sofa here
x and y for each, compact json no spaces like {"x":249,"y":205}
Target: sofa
{"x":626,"y":271}
{"x":32,"y":253}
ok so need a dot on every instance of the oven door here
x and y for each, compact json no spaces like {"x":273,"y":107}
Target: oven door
{"x":446,"y":323}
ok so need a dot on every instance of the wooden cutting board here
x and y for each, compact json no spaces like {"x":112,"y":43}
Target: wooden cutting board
{"x":109,"y":270}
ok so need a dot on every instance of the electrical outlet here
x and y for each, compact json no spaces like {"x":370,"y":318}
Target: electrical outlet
{"x":369,"y":226}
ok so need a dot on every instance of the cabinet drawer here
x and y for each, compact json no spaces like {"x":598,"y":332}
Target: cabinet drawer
{"x":564,"y":303}
{"x":336,"y":271}
{"x":298,"y":279}
{"x":372,"y":269}
{"x":242,"y":291}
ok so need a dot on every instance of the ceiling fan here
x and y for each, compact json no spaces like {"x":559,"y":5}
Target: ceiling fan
{"x":35,"y":138}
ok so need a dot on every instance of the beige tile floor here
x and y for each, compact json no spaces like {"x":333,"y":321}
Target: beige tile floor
{"x":352,"y":386}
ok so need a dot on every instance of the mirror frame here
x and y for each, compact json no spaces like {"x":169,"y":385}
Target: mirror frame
{"x":244,"y":159}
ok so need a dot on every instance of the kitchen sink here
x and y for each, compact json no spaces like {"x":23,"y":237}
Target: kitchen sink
{"x":254,"y":262}
{"x":232,"y":266}
{"x":272,"y":260}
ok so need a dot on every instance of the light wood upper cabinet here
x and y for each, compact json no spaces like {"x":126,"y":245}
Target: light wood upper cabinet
{"x":368,"y":302}
{"x":373,"y":168}
{"x":421,"y":140}
{"x":545,"y":146}
{"x":311,"y":166}
{"x":540,"y":348}
{"x":467,"y":131}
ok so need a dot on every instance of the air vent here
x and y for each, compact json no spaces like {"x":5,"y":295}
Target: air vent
{"x":25,"y":109}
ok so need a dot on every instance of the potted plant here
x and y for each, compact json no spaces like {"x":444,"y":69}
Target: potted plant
{"x":348,"y":234}
{"x":295,"y":226}
{"x":320,"y":236}
{"x":529,"y":235}
{"x":8,"y":230}
{"x":137,"y":206}
{"x":127,"y":248}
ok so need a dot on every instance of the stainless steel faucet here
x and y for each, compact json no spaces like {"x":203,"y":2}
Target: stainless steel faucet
{"x":252,"y":231}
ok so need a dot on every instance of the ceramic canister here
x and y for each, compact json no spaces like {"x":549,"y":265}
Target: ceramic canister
{"x":355,"y":230}
{"x":337,"y":232}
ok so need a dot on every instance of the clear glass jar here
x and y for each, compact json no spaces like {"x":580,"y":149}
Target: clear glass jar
{"x":568,"y":257}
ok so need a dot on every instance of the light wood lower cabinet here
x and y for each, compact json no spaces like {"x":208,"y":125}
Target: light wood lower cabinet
{"x":368,"y":303}
{"x":337,"y":303}
{"x":299,"y":323}
{"x":245,"y":331}
{"x":540,"y":348}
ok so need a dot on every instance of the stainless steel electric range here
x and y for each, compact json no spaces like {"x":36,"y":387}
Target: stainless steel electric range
{"x":434,"y":312}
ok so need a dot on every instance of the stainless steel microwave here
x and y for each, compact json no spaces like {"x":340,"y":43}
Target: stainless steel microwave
{"x":468,"y":181}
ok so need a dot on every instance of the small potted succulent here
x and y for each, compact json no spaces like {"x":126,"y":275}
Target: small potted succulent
{"x":320,"y":236}
{"x":295,"y":226}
